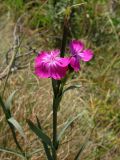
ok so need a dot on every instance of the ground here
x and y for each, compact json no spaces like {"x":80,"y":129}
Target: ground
{"x":94,"y":105}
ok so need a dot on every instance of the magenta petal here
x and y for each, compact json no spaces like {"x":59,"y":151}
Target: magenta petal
{"x":64,"y":62}
{"x":42,"y":71}
{"x":59,"y":69}
{"x":86,"y":55}
{"x":40,"y":57}
{"x":76,"y":47}
{"x":49,"y":64}
{"x":74,"y":62}
{"x":55,"y":52}
{"x":57,"y":72}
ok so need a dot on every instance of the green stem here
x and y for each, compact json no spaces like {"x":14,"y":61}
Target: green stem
{"x":55,"y":106}
{"x":54,"y":3}
{"x":54,"y":126}
{"x":66,"y":26}
{"x":64,"y":39}
{"x":56,"y":84}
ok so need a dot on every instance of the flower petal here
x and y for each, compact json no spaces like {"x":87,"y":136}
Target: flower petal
{"x":40,"y":58}
{"x":48,"y":64}
{"x":64,"y":62}
{"x":86,"y":55}
{"x":42,"y":71}
{"x":59,"y":69}
{"x":57,"y":72}
{"x":74,"y":62}
{"x":76,"y":47}
{"x":55,"y":52}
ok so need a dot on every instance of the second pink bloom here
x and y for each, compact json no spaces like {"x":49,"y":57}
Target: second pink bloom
{"x":79,"y":53}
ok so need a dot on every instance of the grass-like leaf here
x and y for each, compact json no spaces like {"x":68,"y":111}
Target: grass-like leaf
{"x":9,"y":100}
{"x":13,"y":121}
{"x":6,"y":112}
{"x":47,"y":149}
{"x":68,"y":123}
{"x":77,"y":157}
{"x":39,"y":133}
{"x":72,"y":87}
{"x":7,"y":150}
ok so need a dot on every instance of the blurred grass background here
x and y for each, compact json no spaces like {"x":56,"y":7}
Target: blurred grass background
{"x":97,"y":23}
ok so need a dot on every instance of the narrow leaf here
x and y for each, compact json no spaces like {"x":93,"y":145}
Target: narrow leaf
{"x":44,"y":138}
{"x":80,"y":151}
{"x":39,"y":133}
{"x":7,"y":150}
{"x":38,"y":123}
{"x":47,"y":149}
{"x":13,"y":121}
{"x":6,"y":112}
{"x":68,"y":123}
{"x":71,"y":87}
{"x":8,"y":102}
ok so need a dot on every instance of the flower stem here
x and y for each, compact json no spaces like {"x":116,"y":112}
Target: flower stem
{"x":54,"y":2}
{"x":55,"y":107}
{"x":66,"y":27}
{"x":54,"y":124}
{"x":56,"y":84}
{"x":64,"y":39}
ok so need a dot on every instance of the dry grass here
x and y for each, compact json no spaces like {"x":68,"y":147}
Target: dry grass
{"x":97,"y":98}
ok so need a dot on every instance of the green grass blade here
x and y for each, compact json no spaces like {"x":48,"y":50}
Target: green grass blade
{"x":81,"y":150}
{"x":68,"y":123}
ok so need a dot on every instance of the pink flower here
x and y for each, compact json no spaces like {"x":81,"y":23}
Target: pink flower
{"x":79,"y":53}
{"x":50,"y":65}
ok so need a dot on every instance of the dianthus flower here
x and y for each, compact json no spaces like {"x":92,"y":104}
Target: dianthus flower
{"x":79,"y":53}
{"x":50,"y":65}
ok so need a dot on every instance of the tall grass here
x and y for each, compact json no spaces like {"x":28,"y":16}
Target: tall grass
{"x":97,"y":23}
{"x":15,"y":7}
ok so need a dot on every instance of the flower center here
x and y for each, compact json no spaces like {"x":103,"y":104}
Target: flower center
{"x":52,"y":58}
